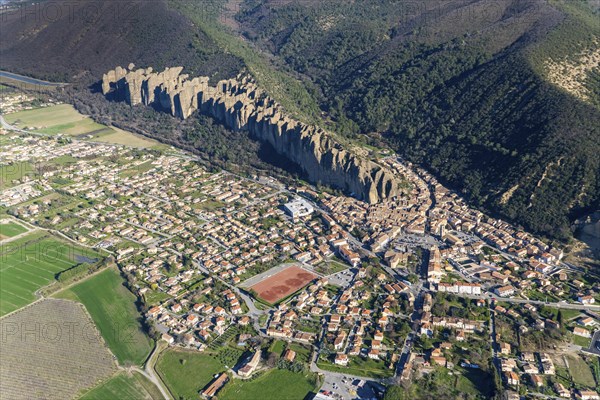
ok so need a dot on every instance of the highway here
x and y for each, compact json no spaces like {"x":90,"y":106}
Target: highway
{"x":28,"y":80}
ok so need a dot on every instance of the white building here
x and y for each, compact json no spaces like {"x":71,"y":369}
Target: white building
{"x":299,"y":208}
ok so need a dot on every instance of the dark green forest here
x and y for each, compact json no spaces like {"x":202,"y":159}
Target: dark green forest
{"x":458,"y":87}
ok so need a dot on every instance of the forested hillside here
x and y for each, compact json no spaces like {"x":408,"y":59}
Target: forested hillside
{"x":65,"y":40}
{"x":461,"y":87}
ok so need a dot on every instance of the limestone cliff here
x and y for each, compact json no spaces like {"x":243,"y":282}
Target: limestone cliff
{"x":240,"y":105}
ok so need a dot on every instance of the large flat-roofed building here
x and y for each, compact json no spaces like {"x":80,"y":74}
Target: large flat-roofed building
{"x":299,"y":208}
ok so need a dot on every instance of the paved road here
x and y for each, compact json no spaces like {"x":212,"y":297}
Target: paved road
{"x":595,"y":344}
{"x":404,"y":355}
{"x":29,"y":80}
{"x":151,"y":374}
{"x":569,"y":306}
{"x":9,"y":127}
{"x":493,"y":343}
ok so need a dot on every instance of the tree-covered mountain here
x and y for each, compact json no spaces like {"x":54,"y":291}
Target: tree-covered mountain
{"x":65,"y":40}
{"x":462,"y":87}
{"x":500,"y":99}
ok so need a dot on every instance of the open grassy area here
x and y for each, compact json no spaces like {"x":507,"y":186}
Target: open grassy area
{"x":136,"y":169}
{"x":124,"y":386}
{"x":570,"y":314}
{"x":302,"y":352}
{"x":187,"y":372}
{"x":360,"y":367}
{"x":273,"y":384}
{"x":331,"y":267}
{"x":155,"y":297}
{"x":63,"y":119}
{"x":208,"y":205}
{"x":580,"y":371}
{"x":119,"y":136}
{"x":10,"y":229}
{"x":277,"y":346}
{"x":113,"y":309}
{"x":581,"y":341}
{"x":476,"y":382}
{"x":31,"y":262}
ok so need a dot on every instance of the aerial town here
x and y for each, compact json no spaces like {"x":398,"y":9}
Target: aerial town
{"x":362,"y":294}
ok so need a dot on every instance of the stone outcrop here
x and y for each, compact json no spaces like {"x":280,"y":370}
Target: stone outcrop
{"x":240,"y":105}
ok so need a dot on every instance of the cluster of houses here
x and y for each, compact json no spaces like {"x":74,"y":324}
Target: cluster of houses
{"x":18,"y":100}
{"x":188,"y":237}
{"x":522,"y":263}
{"x":282,"y":325}
{"x":20,"y":194}
{"x":196,"y":327}
{"x":534,"y":367}
{"x":429,"y":323}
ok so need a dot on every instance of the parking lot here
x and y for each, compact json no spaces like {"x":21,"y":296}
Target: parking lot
{"x":348,"y":389}
{"x":342,"y":278}
{"x":412,"y":241}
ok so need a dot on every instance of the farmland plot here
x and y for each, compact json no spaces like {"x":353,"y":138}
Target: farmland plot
{"x":10,"y":229}
{"x":63,"y":119}
{"x":112,"y":306}
{"x":31,"y":262}
{"x":51,"y":350}
{"x":126,"y":386}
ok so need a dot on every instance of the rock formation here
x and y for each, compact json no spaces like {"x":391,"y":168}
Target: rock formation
{"x":240,"y":105}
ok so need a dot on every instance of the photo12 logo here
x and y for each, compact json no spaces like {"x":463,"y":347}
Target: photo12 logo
{"x":39,"y":251}
{"x":20,"y":333}
{"x":66,"y":332}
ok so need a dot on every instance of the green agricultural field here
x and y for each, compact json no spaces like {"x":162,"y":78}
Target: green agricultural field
{"x":83,"y":127}
{"x":187,"y":372}
{"x":10,"y":229}
{"x":64,"y":119}
{"x":57,"y":119}
{"x":112,"y":307}
{"x":124,"y":386}
{"x":32,"y":262}
{"x":274,"y":384}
